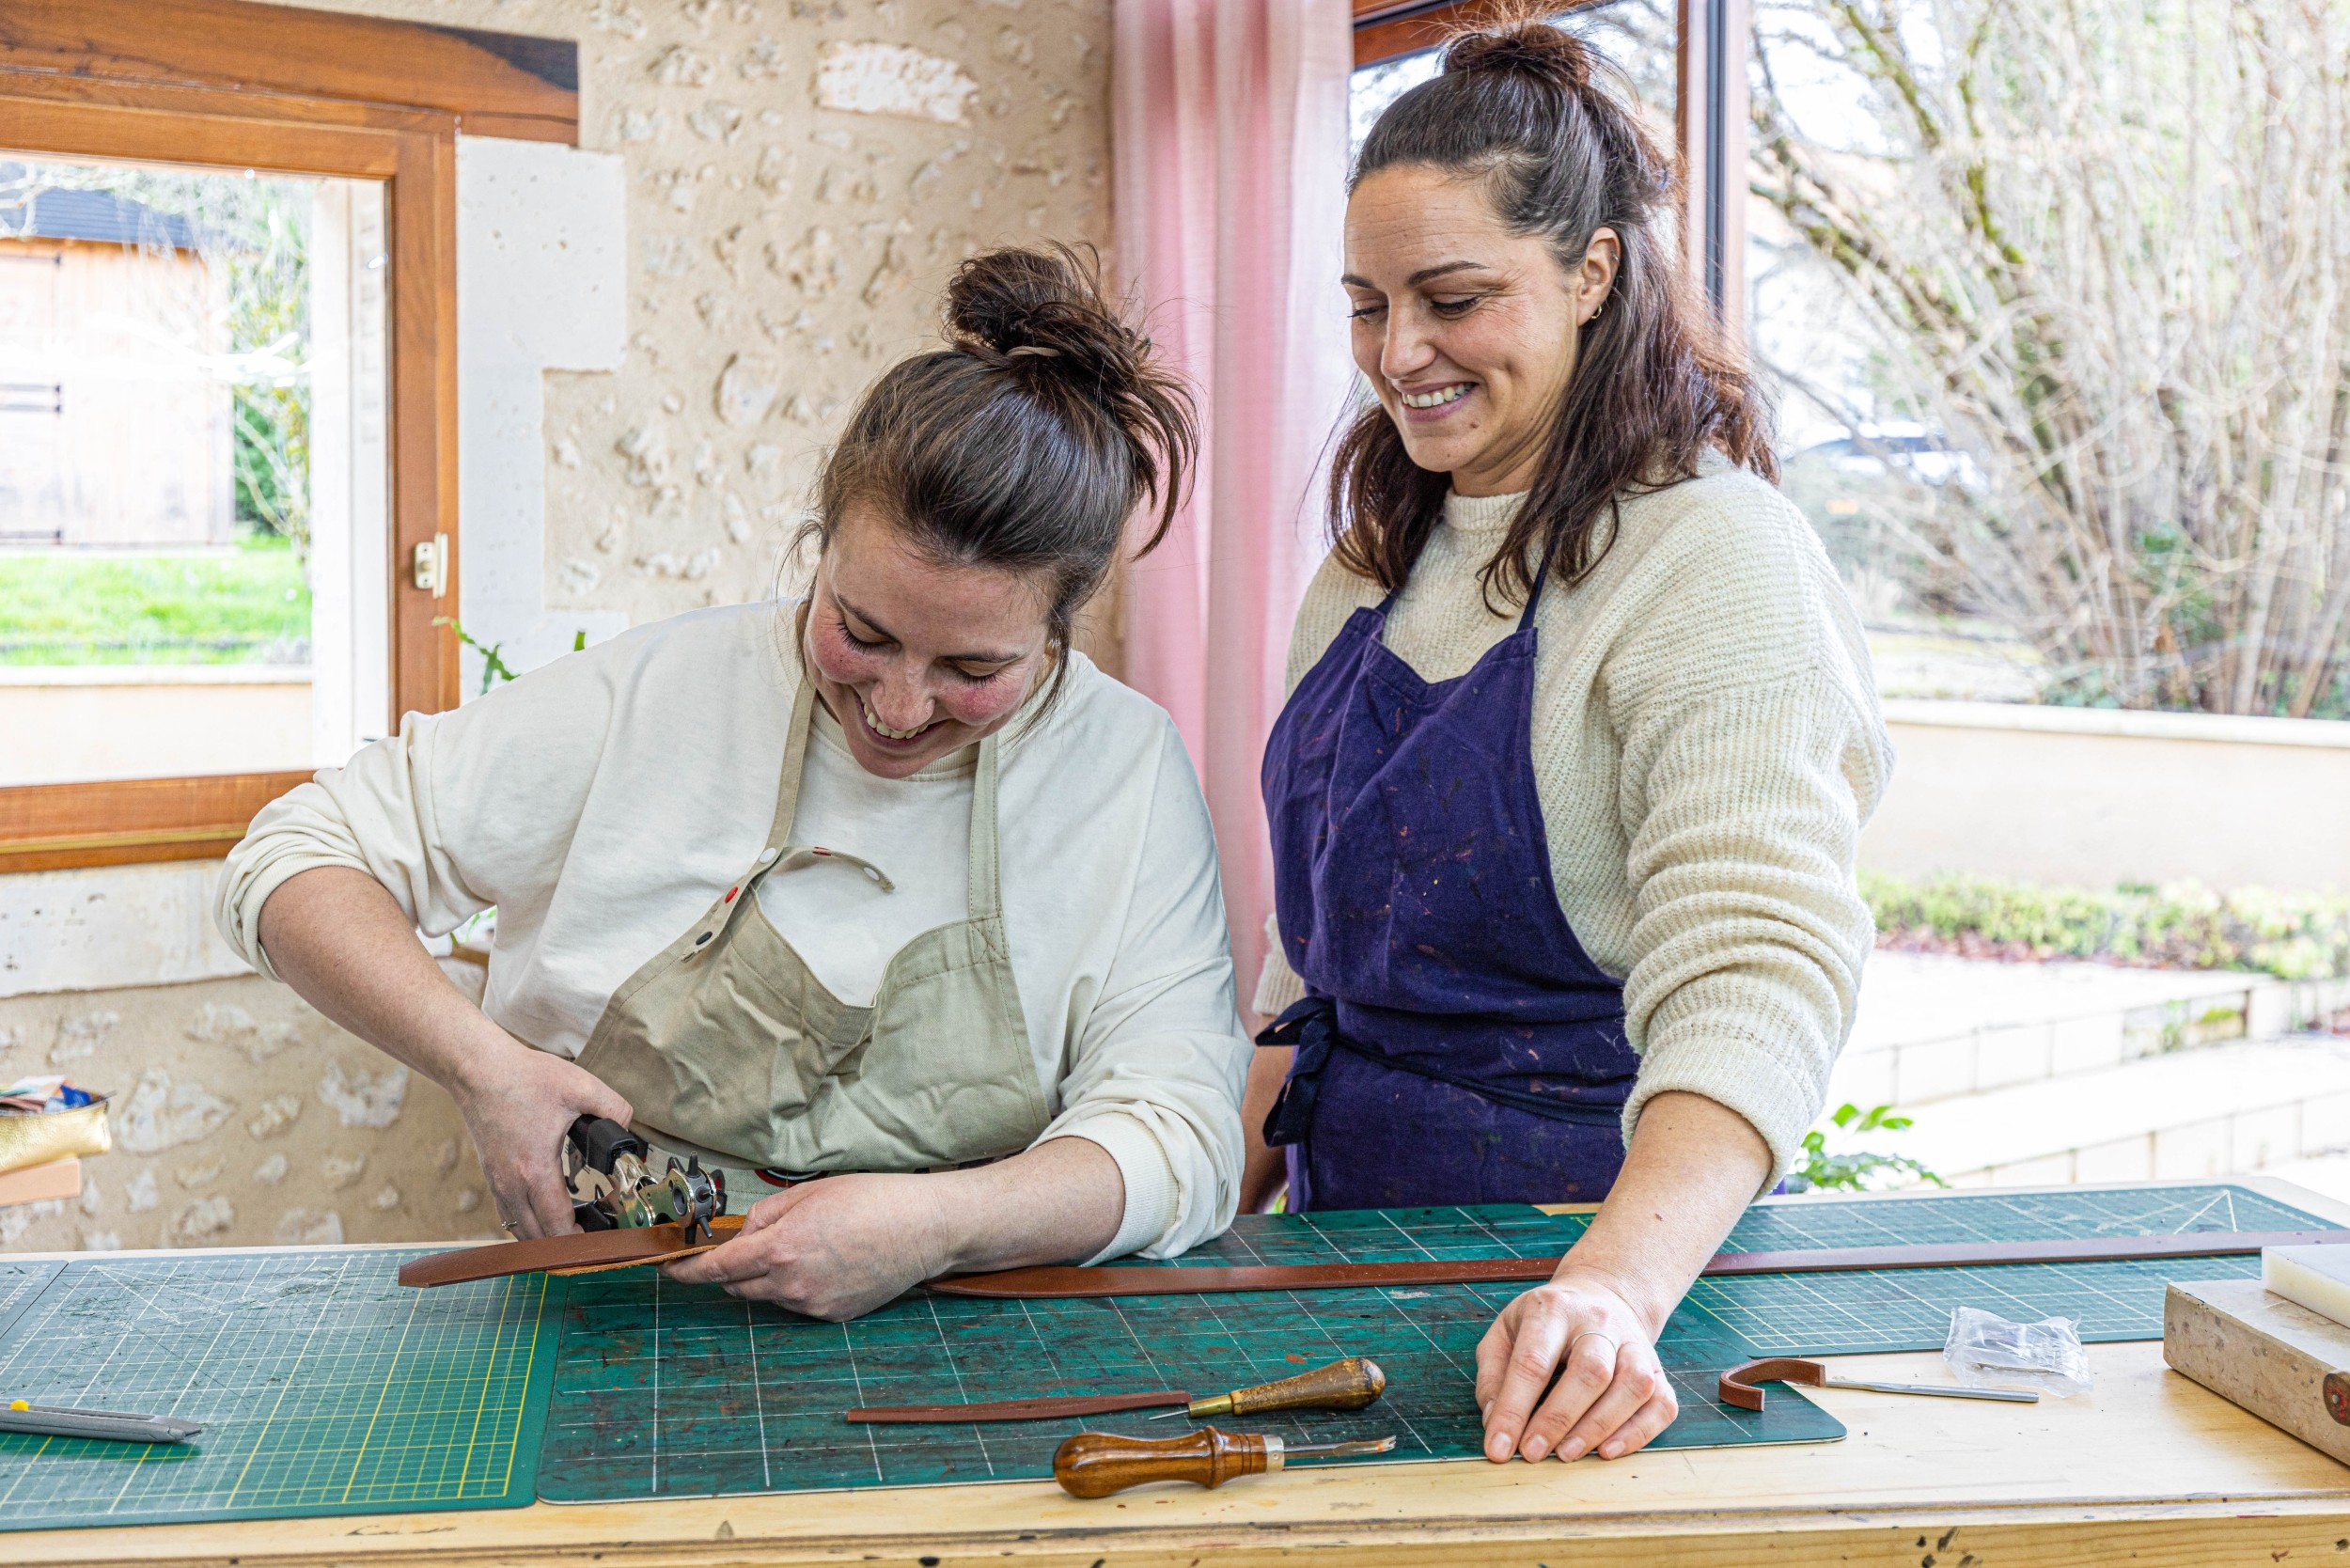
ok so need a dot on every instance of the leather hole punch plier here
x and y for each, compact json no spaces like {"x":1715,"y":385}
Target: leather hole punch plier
{"x":632,"y":1196}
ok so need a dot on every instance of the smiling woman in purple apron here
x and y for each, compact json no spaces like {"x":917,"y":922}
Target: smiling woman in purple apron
{"x":1580,"y":736}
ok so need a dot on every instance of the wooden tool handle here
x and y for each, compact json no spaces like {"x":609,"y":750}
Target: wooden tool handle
{"x":1096,"y":1463}
{"x":1347,"y":1385}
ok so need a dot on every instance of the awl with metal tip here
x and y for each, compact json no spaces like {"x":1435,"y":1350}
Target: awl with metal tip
{"x":122,"y":1426}
{"x":1347,"y":1385}
{"x":1096,"y":1463}
{"x":1739,"y":1386}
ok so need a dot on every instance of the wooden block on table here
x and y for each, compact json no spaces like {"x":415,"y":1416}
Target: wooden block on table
{"x":35,"y":1183}
{"x":2282,"y":1362}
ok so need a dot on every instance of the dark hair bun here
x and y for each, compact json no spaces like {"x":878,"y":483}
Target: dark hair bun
{"x":1027,"y":310}
{"x":1529,"y":49}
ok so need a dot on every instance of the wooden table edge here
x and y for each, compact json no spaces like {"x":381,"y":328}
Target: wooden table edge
{"x":2235,"y":1526}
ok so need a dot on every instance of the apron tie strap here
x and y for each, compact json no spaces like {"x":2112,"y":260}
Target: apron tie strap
{"x":1312,"y":1027}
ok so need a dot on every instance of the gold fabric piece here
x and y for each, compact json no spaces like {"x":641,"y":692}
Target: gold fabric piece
{"x":37,"y":1137}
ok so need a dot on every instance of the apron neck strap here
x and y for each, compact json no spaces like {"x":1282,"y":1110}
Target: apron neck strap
{"x":985,"y":897}
{"x":795,"y":736}
{"x":1534,"y":590}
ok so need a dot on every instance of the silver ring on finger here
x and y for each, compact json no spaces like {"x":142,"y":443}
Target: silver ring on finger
{"x":1592,"y":1334}
{"x":508,"y":1225}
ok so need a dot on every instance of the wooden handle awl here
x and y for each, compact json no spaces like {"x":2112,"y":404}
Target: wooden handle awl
{"x":1096,"y":1463}
{"x":1347,"y":1385}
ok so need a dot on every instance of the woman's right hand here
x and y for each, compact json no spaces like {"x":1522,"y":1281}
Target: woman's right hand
{"x":518,"y":1103}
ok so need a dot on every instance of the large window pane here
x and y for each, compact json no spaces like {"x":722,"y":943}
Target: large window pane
{"x":2054,"y":303}
{"x":193,"y":473}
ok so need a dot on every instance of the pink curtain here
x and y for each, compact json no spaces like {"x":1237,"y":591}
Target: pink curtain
{"x":1229,"y":120}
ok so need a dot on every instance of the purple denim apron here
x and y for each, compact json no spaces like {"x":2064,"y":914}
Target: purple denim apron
{"x":1456,"y":1045}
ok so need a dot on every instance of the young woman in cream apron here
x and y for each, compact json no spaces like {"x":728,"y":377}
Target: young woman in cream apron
{"x":1050,"y":1077}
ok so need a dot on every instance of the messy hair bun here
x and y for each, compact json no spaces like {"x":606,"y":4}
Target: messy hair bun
{"x":1028,"y":442}
{"x":1558,"y":145}
{"x":1540,"y":53}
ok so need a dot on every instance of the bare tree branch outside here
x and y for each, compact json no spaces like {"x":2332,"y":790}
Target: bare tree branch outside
{"x":2104,"y":252}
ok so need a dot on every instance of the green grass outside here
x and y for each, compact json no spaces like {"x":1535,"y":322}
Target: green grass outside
{"x":250,"y":605}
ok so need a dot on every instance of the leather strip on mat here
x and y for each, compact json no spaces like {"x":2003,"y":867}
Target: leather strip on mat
{"x":589,"y":1251}
{"x":1061,"y":1282}
{"x":1011,"y":1409}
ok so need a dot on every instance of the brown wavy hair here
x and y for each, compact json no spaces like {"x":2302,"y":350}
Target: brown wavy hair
{"x":1656,"y":382}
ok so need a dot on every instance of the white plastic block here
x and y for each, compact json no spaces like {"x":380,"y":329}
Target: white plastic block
{"x":2317,"y":1278}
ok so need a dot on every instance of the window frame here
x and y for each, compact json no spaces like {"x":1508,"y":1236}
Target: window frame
{"x":1709,"y":116}
{"x":232,"y":85}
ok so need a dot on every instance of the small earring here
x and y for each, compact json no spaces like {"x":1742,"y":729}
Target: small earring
{"x":1602,"y":305}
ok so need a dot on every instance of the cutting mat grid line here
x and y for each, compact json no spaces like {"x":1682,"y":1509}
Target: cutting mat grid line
{"x":746,"y":1403}
{"x":323,"y":1386}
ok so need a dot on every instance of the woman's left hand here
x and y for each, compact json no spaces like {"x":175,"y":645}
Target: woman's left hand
{"x":1612,"y":1397}
{"x":835,"y":1248}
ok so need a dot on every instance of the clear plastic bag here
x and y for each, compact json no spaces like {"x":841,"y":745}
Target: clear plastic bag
{"x":1985,"y":1351}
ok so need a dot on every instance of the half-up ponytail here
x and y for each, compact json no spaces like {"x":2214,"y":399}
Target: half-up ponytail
{"x":1521,"y":110}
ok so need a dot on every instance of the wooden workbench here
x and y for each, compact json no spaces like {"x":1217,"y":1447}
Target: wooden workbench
{"x":2150,"y":1469}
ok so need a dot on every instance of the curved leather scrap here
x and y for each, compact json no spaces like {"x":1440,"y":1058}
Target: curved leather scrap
{"x":591,"y":1251}
{"x":1179,"y":1281}
{"x":1011,"y":1409}
{"x":1738,"y":1385}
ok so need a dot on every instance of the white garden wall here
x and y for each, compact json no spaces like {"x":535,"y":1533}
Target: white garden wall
{"x":2094,"y":797}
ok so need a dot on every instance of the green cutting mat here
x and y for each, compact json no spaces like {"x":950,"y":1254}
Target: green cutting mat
{"x":324,"y":1386}
{"x":663,"y":1390}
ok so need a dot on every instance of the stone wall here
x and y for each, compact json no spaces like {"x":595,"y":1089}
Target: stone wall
{"x":241,"y":1116}
{"x":802,"y":176}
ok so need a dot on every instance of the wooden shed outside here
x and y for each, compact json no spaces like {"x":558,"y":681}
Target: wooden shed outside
{"x":115,"y":418}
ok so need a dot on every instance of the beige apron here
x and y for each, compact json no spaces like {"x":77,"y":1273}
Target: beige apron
{"x":727,"y":1043}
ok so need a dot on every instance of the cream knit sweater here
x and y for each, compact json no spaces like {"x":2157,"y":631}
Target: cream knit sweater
{"x":1707,"y":744}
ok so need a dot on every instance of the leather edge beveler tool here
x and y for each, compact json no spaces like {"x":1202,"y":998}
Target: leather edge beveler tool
{"x":121,"y":1426}
{"x":1096,"y":1463}
{"x":1739,"y":1386}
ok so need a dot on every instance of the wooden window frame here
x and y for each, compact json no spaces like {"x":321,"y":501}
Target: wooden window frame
{"x":1709,"y":115}
{"x":238,"y":85}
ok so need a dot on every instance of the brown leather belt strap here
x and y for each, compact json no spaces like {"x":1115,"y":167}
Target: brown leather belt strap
{"x":580,"y":1252}
{"x":1013,"y":1409}
{"x":1058,"y":1283}
{"x":592,"y":1250}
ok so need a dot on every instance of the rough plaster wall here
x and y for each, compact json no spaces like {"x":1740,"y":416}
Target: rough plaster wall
{"x":241,"y":1116}
{"x":783,"y":252}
